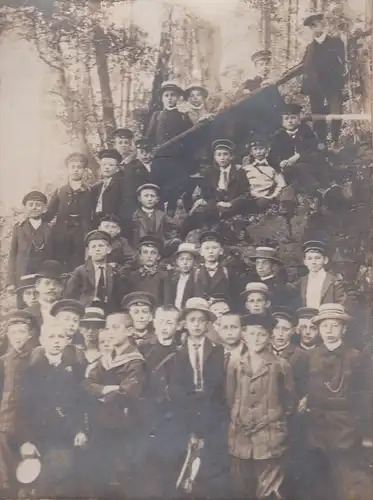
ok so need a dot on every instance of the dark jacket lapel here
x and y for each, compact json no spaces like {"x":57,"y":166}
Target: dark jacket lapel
{"x":328,"y":281}
{"x":90,"y":272}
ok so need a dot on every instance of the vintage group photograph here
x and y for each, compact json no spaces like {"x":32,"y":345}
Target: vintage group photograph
{"x":186,"y":273}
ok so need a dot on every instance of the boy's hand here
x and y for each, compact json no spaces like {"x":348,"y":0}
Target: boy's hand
{"x":29,"y":450}
{"x":302,"y":406}
{"x":224,"y":204}
{"x":284,"y":163}
{"x":109,"y":389}
{"x":293,"y":159}
{"x":80,"y":439}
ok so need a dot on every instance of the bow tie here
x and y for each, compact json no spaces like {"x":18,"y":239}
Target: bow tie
{"x":147,"y":271}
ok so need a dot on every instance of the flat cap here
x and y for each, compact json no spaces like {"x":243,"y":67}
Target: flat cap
{"x":139,"y":299}
{"x":126,"y":133}
{"x":223,"y":144}
{"x":110,"y":153}
{"x":21,"y":316}
{"x":264,"y":320}
{"x":67,"y":305}
{"x":77,"y":157}
{"x":170,"y":85}
{"x":315,"y":246}
{"x":292,"y":108}
{"x":307,"y":312}
{"x":143,"y":144}
{"x":285,"y":313}
{"x":261,"y":54}
{"x":317,"y":16}
{"x":34,"y":196}
{"x":148,"y":186}
{"x":196,"y":86}
{"x":151,"y":241}
{"x":111,"y":218}
{"x":97,"y":235}
{"x":210,"y":236}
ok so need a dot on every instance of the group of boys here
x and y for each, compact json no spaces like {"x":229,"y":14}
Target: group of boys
{"x":140,"y":364}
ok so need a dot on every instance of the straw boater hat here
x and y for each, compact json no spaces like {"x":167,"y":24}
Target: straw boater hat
{"x":332,"y":311}
{"x":187,"y":248}
{"x":197,"y":304}
{"x":310,"y":19}
{"x":196,"y":86}
{"x":256,"y":287}
{"x":266,"y":253}
{"x":26,"y":281}
{"x":93,"y":316}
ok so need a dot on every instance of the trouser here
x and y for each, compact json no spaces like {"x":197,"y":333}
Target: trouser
{"x":58,"y":475}
{"x":324,"y":104}
{"x":337,"y":474}
{"x":9,"y":456}
{"x":257,"y":479}
{"x":309,"y":176}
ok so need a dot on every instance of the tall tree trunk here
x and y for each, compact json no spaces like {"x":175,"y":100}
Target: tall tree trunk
{"x":288,"y":31}
{"x":267,"y":13}
{"x":102,"y":70}
{"x":313,"y":6}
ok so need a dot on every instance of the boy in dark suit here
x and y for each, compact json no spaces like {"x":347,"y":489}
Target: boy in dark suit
{"x":336,"y":410}
{"x":31,"y":240}
{"x":257,"y":439}
{"x":228,"y":184}
{"x":72,"y":205}
{"x":149,"y":277}
{"x":20,"y":327}
{"x":319,"y":286}
{"x":49,"y":288}
{"x":110,"y":195}
{"x":140,"y":306}
{"x":96,"y":281}
{"x":148,"y":219}
{"x":115,"y":382}
{"x":179,"y":284}
{"x":211,"y":276}
{"x":53,"y":404}
{"x":142,"y":171}
{"x":295,"y":152}
{"x":121,"y":252}
{"x":197,"y":383}
{"x":323,"y":68}
{"x":306,"y":329}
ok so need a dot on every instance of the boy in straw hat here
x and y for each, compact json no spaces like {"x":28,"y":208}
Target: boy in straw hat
{"x":257,"y":298}
{"x":179,"y":283}
{"x":264,"y":399}
{"x":196,"y":389}
{"x":336,"y":406}
{"x":26,"y":292}
{"x":20,"y":328}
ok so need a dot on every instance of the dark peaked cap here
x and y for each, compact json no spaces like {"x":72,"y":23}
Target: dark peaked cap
{"x":35,"y":196}
{"x":110,"y":153}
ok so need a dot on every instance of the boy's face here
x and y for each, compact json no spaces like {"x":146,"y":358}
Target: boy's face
{"x":169,"y":99}
{"x":34,"y":208}
{"x":69,"y":321}
{"x":165,"y":324}
{"x":109,"y":227}
{"x":263,"y":66}
{"x":29,"y":296}
{"x":123,"y":145}
{"x":98,"y":250}
{"x":141,"y":316}
{"x":18,"y":334}
{"x":282,"y":333}
{"x":108,"y":167}
{"x":264,"y":267}
{"x":185,"y":262}
{"x":196,"y":323}
{"x":148,"y":198}
{"x":105,"y":342}
{"x":315,"y":261}
{"x":256,"y":338}
{"x":54,"y":340}
{"x":211,"y":251}
{"x":331,"y":330}
{"x":307,"y":331}
{"x":49,"y":290}
{"x":90,"y":333}
{"x":229,"y":327}
{"x":149,"y":256}
{"x":259,"y":152}
{"x":196,"y":98}
{"x":223,"y":157}
{"x":257,"y":303}
{"x":144,"y":155}
{"x":75,"y":170}
{"x":317,"y":28}
{"x":290,"y":122}
{"x":117,"y":328}
{"x":219,"y":308}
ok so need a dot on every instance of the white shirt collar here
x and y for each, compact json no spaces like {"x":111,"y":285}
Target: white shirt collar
{"x":321,"y":38}
{"x":280,"y":349}
{"x":35,"y":223}
{"x":267,"y":277}
{"x":333,"y":347}
{"x":307,"y":347}
{"x":148,"y":211}
{"x":192,"y":342}
{"x":75,"y":185}
{"x":170,"y":109}
{"x":320,"y":275}
{"x":54,"y":359}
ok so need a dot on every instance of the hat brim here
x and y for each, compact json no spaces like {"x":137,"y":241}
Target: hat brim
{"x":212,"y":317}
{"x":346,"y":318}
{"x":196,"y":87}
{"x":275,"y":259}
{"x":93,"y":321}
{"x":175,"y":88}
{"x":245,"y":293}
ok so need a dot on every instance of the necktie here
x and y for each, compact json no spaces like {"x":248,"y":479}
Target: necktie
{"x":101,"y":289}
{"x":225,"y":180}
{"x":227,"y":357}
{"x":99,"y":206}
{"x":198,"y":380}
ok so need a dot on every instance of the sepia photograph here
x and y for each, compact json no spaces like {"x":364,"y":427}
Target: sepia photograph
{"x":186,"y":275}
